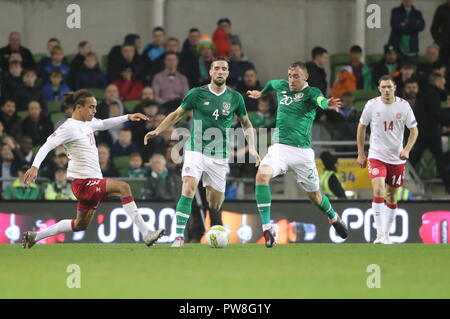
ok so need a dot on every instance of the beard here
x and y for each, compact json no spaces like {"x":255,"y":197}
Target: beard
{"x":219,"y":82}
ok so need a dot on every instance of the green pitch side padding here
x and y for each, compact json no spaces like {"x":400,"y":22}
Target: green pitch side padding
{"x":22,"y":114}
{"x":364,"y":95}
{"x":55,"y":117}
{"x":426,"y":168}
{"x":104,"y":63}
{"x":38,"y":57}
{"x":54,"y":107}
{"x":131,"y":104}
{"x":121,"y":162}
{"x":70,"y":57}
{"x":97,"y":93}
{"x":371,"y":59}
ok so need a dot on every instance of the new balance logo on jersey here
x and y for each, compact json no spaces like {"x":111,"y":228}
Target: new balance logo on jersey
{"x":206,"y":103}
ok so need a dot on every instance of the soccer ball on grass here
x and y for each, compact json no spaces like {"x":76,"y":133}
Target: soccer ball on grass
{"x":217,"y":237}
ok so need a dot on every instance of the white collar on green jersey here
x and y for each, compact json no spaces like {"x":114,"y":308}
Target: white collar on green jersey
{"x":305,"y":86}
{"x":217,"y":94}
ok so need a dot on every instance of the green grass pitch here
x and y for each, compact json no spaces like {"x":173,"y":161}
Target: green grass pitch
{"x":238,"y":271}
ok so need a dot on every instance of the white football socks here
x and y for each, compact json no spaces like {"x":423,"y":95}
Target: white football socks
{"x":132,"y":211}
{"x":62,"y":226}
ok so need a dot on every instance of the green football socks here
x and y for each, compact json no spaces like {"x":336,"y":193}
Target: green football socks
{"x":183,"y":211}
{"x":326,"y":207}
{"x":263,"y":200}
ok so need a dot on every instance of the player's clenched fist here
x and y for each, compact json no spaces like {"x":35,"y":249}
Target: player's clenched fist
{"x":362,"y":161}
{"x":30,"y":175}
{"x":150,"y":135}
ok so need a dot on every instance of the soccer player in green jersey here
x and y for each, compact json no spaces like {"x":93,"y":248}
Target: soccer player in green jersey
{"x":213,"y":107}
{"x":291,"y":145}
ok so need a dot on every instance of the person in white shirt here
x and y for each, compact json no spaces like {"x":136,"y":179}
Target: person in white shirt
{"x":387,"y":116}
{"x":88,"y":184}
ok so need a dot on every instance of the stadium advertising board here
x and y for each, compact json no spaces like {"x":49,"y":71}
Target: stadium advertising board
{"x":298,"y":221}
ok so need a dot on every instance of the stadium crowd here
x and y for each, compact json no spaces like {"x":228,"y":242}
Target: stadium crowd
{"x":153,"y":78}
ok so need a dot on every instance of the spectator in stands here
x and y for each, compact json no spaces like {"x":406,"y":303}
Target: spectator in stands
{"x":139,"y":128}
{"x":345,"y":82}
{"x":55,"y":88}
{"x":410,"y":90}
{"x":172,"y":45}
{"x":60,"y":189}
{"x":316,"y":69}
{"x":67,"y":110}
{"x":2,"y":133}
{"x":10,"y":119}
{"x":361,"y":72}
{"x":15,"y":45}
{"x":135,"y":168}
{"x":59,"y":160}
{"x":445,"y":117}
{"x":439,"y":68}
{"x":406,"y":72}
{"x":223,"y":38}
{"x":406,"y":23}
{"x":47,"y":60}
{"x":155,"y":49}
{"x":249,"y":82}
{"x":189,"y":57}
{"x":106,"y":166}
{"x":128,"y":58}
{"x":29,"y":90}
{"x":18,"y":189}
{"x":206,"y":49}
{"x":24,"y":150}
{"x":330,"y":183}
{"x":428,"y":112}
{"x":37,"y":125}
{"x":343,"y":124}
{"x":440,"y":30}
{"x":89,"y":76}
{"x":124,"y":145}
{"x":12,"y":79}
{"x":156,"y":145}
{"x":130,"y":88}
{"x":8,"y":165}
{"x":56,"y":63}
{"x":161,"y":184}
{"x":174,"y":158}
{"x":84,"y":47}
{"x":170,"y":86}
{"x":116,"y":108}
{"x":423,"y":70}
{"x":388,"y":65}
{"x":239,"y":63}
{"x":263,"y":117}
{"x":147,"y":95}
{"x":111,"y":93}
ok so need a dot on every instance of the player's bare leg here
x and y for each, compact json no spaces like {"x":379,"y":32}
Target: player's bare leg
{"x":121,"y":189}
{"x":390,"y":210}
{"x":323,"y":203}
{"x":378,"y":207}
{"x":215,"y":200}
{"x":183,"y":209}
{"x":264,"y":201}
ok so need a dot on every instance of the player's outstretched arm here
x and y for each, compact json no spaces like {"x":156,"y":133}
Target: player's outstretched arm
{"x":250,"y":135}
{"x":169,"y":121}
{"x":334,"y":104}
{"x":254,"y":94}
{"x":413,"y":134}
{"x":360,"y":139}
{"x":102,"y":125}
{"x":30,"y":175}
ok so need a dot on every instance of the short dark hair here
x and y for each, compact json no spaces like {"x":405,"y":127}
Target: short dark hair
{"x":77,"y":98}
{"x":316,"y":51}
{"x":171,"y":53}
{"x":53,"y":40}
{"x":31,"y":70}
{"x":300,"y":65}
{"x":82,"y":43}
{"x":355,"y":49}
{"x":411,"y":80}
{"x":194,"y":30}
{"x":223,"y":20}
{"x":159,"y":29}
{"x":220,"y":58}
{"x":6,"y":100}
{"x":408,"y":65}
{"x":437,"y":65}
{"x":386,"y":78}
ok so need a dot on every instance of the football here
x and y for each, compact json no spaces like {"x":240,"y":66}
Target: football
{"x":217,"y":237}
